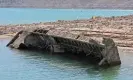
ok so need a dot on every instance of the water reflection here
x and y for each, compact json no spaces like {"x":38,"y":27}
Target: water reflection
{"x":69,"y":64}
{"x":110,"y":73}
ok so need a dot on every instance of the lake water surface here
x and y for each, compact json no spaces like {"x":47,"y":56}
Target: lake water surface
{"x":20,"y":15}
{"x":34,"y":65}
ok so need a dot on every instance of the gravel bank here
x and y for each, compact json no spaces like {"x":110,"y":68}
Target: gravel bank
{"x":119,"y":28}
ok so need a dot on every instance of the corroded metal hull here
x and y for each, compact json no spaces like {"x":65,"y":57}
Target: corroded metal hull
{"x":60,"y":42}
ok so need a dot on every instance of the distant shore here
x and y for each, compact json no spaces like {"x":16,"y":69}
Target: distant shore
{"x":120,"y":28}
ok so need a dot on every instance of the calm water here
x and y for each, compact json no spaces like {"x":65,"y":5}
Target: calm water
{"x":31,"y":65}
{"x":15,"y":16}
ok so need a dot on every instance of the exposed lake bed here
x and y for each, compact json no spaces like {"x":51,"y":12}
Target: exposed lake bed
{"x":119,"y":28}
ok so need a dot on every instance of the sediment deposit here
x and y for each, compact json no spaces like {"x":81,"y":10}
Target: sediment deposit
{"x":118,"y":28}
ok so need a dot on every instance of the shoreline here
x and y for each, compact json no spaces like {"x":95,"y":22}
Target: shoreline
{"x":4,"y":36}
{"x":120,"y":48}
{"x":118,"y":28}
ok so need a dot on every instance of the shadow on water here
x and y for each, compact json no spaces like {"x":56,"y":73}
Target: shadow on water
{"x":43,"y":55}
{"x":105,"y":73}
{"x":66,"y":61}
{"x":110,"y":73}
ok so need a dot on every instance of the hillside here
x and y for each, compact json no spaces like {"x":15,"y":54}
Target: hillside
{"x":89,"y":4}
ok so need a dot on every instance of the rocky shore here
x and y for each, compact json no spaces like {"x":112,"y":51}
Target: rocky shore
{"x":118,"y":28}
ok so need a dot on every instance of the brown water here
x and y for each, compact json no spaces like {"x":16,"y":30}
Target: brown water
{"x":31,"y":65}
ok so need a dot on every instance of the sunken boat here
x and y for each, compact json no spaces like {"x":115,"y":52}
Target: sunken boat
{"x":104,"y":51}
